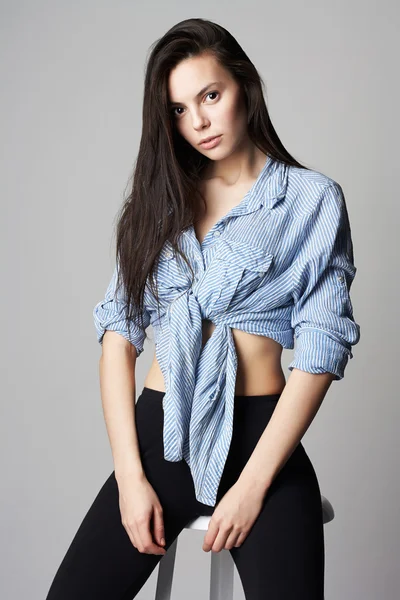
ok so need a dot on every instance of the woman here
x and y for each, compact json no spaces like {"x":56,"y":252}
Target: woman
{"x":231,"y":249}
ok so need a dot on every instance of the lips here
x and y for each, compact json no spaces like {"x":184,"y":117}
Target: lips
{"x":209,"y":139}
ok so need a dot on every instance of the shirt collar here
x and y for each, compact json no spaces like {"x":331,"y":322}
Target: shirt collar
{"x":269,"y":187}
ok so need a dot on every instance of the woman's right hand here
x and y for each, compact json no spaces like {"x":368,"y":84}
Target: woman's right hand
{"x":139,"y":504}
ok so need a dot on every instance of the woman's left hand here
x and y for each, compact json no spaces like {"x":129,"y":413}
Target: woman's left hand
{"x":233,"y":518}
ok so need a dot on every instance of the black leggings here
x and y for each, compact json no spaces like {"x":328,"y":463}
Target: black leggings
{"x":282,"y":557}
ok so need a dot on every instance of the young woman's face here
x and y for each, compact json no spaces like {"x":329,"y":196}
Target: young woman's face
{"x":200,"y":113}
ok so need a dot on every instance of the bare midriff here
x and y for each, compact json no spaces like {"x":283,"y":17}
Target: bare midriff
{"x":259,"y":369}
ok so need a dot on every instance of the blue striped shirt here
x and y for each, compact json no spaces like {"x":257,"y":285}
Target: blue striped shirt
{"x":279,"y":264}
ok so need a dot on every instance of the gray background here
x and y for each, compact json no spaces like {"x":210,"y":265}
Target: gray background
{"x":71,"y":94}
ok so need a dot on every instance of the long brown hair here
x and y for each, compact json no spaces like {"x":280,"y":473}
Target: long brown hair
{"x":164,"y":193}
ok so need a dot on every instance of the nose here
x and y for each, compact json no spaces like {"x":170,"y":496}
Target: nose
{"x":199,"y":120}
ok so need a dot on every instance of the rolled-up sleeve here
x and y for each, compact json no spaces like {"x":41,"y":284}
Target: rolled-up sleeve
{"x":322,"y":317}
{"x":110,"y":314}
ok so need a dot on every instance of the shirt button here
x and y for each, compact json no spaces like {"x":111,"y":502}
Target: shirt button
{"x":260,"y":273}
{"x":217,"y":233}
{"x":168,"y":254}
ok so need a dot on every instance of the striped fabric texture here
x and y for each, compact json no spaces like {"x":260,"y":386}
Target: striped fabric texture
{"x":279,"y":264}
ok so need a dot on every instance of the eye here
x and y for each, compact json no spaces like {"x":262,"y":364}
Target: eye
{"x":214,"y":92}
{"x":174,"y":114}
{"x":174,"y":109}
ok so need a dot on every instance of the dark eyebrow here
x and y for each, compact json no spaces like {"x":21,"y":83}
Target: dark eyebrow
{"x":200,"y":93}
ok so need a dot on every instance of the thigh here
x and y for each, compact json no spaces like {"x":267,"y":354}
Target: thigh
{"x":283,"y":556}
{"x":101,"y":562}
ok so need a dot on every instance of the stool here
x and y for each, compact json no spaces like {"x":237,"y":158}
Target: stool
{"x":222,"y":564}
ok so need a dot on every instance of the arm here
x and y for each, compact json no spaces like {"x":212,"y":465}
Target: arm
{"x":293,"y":414}
{"x":140,"y":507}
{"x":120,"y":350}
{"x":239,"y":508}
{"x":117,"y":384}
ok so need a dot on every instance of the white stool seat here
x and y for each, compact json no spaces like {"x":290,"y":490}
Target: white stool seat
{"x":222,"y":565}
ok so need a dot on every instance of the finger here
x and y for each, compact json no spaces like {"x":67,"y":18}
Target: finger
{"x":221,"y":538}
{"x":146,"y":537}
{"x":210,"y":536}
{"x":232,"y":539}
{"x":159,"y":533}
{"x":240,"y":540}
